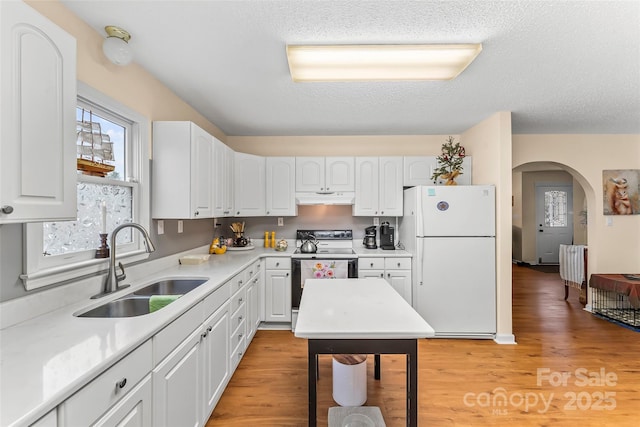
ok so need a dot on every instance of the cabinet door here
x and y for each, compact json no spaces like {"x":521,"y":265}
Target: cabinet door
{"x":418,"y":170}
{"x":37,"y":117}
{"x":202,"y":160}
{"x":281,"y":186}
{"x":253,"y":307}
{"x":390,"y":187}
{"x":339,"y":174}
{"x":249,"y":177}
{"x":215,"y":358}
{"x":177,"y":386}
{"x":134,"y":410}
{"x":310,"y":174}
{"x":219,"y":177}
{"x":229,"y":181}
{"x":400,"y":280}
{"x":278,"y":296}
{"x":366,"y":201}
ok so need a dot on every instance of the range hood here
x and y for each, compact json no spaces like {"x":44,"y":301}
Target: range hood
{"x":335,"y":198}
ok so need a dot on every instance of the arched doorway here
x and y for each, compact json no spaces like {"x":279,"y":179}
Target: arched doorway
{"x":526,"y":178}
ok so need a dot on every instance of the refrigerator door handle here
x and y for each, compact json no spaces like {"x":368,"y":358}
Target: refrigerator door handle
{"x":420,"y":249}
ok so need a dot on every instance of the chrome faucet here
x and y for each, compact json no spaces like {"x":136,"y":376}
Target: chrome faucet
{"x":111,"y":282}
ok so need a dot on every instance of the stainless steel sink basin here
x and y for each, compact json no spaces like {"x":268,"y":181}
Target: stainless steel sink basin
{"x":136,"y":303}
{"x":129,"y":306}
{"x":170,"y":287}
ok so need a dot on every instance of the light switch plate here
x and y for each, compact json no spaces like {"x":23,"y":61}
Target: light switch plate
{"x":376,"y":220}
{"x":280,"y":221}
{"x":180,"y":226}
{"x":160,"y":227}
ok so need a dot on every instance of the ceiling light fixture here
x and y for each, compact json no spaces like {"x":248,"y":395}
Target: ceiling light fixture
{"x":379,"y":62}
{"x":116,"y":45}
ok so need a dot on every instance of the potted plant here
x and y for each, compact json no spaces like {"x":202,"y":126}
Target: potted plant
{"x":449,"y":162}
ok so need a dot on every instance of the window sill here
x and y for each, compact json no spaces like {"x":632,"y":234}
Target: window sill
{"x":57,"y":275}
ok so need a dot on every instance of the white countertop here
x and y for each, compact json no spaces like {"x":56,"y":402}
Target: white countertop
{"x":357,"y":309}
{"x":46,"y":359}
{"x":361,"y":251}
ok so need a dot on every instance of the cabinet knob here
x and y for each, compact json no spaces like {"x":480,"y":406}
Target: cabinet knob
{"x":382,"y":275}
{"x":371,"y":264}
{"x":239,"y":336}
{"x":238,"y":213}
{"x":239,"y":299}
{"x":388,"y":274}
{"x":381,"y":212}
{"x":277,"y":264}
{"x":268,"y":212}
{"x":287,"y":275}
{"x":327,"y":188}
{"x":398,"y":264}
{"x":121,"y":383}
{"x":204,"y":334}
{"x":210,"y":328}
{"x":196,"y":213}
{"x":239,"y":318}
{"x":6,"y":209}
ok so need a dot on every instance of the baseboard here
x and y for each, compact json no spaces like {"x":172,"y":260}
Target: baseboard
{"x":507,"y":339}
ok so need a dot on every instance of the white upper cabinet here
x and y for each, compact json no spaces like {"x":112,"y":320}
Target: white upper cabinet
{"x":183,"y":158}
{"x":249,"y":183}
{"x":378,"y":186}
{"x":37,"y":117}
{"x":418,"y":170}
{"x":222,"y":179}
{"x":281,"y":186}
{"x":325,"y":174}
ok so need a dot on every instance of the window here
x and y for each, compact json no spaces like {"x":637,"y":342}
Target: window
{"x":65,"y":250}
{"x":555,"y":208}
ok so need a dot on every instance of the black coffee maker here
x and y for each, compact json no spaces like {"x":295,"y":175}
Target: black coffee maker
{"x":369,"y":241}
{"x":387,"y":236}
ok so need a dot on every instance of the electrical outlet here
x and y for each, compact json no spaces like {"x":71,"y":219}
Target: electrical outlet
{"x":215,"y":223}
{"x":180,"y":226}
{"x":280,"y":221}
{"x":160,"y":227}
{"x":376,"y":220}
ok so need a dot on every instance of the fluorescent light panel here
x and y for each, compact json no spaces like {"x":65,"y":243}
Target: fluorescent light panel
{"x":379,"y":62}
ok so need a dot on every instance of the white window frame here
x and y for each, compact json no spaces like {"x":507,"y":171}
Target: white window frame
{"x":40,"y":270}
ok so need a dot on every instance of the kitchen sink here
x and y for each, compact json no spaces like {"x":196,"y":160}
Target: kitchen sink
{"x":170,"y":287}
{"x":136,"y":303}
{"x":129,"y":306}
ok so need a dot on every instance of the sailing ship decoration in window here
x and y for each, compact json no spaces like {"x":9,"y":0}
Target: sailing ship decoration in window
{"x":95,"y":149}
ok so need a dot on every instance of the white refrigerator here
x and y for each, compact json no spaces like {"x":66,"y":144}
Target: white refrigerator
{"x":450,"y":230}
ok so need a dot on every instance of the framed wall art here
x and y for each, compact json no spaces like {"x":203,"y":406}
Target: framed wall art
{"x":621,"y":189}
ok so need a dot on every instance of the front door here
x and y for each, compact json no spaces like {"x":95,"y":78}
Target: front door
{"x":554,"y":216}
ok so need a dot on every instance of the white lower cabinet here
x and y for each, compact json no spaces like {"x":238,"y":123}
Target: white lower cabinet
{"x":395,"y":270}
{"x":119,"y":396}
{"x":177,"y":377}
{"x":215,"y":367}
{"x":277,"y":290}
{"x":177,"y":386}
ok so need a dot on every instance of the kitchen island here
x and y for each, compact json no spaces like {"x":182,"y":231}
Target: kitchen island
{"x":360,"y":316}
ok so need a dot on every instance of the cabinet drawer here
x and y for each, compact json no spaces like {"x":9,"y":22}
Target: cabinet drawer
{"x":238,"y":316}
{"x":371,"y":263}
{"x":237,"y":300}
{"x":236,"y":355}
{"x":237,"y":282}
{"x":238,"y":336}
{"x":171,"y":336}
{"x":84,"y":407}
{"x":397,"y":263}
{"x":277,"y":263}
{"x":251,"y":271}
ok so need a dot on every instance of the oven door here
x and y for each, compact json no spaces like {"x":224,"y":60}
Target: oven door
{"x":317,"y":268}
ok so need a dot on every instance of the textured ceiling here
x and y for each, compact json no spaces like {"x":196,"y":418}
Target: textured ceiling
{"x":558,"y":66}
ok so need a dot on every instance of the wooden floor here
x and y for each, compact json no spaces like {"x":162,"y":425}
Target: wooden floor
{"x":466,"y":382}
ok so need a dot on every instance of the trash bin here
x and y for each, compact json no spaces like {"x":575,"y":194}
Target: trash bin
{"x":350,"y":379}
{"x":369,"y":416}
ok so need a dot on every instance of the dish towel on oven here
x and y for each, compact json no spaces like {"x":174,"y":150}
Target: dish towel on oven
{"x":572,"y":265}
{"x":324,"y":269}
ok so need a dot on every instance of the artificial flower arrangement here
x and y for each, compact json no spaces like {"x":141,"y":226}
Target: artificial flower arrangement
{"x":449,"y":162}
